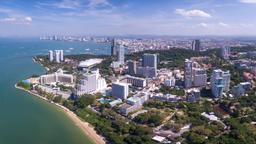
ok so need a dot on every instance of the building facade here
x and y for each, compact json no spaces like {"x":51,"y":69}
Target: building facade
{"x":196,"y":45}
{"x":149,"y":60}
{"x":220,"y":82}
{"x":56,"y":55}
{"x":91,"y":82}
{"x":194,"y":75}
{"x":120,"y":90}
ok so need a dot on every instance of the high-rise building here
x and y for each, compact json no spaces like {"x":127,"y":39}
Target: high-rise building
{"x":120,"y":90}
{"x":57,"y":56}
{"x":121,"y":51}
{"x":194,"y":76}
{"x":51,"y":56}
{"x":188,"y":76}
{"x":196,"y":46}
{"x":146,"y":72}
{"x":225,"y":53}
{"x":113,"y":47}
{"x":220,"y":81}
{"x":132,"y":67}
{"x":149,"y":60}
{"x":91,"y":82}
{"x":61,"y":55}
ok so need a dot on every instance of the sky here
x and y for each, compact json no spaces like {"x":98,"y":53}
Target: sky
{"x":127,"y":17}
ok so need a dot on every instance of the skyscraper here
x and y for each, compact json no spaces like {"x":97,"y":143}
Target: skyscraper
{"x":113,"y":47}
{"x":91,"y":82}
{"x":132,"y":67}
{"x":188,"y":73}
{"x":149,"y":60}
{"x":225,"y":53}
{"x":121,"y":51}
{"x":61,"y":55}
{"x":194,"y":76}
{"x":196,"y":45}
{"x":220,"y":82}
{"x":57,"y":56}
{"x":51,"y":56}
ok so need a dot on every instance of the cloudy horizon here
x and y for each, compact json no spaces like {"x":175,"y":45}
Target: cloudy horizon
{"x":126,"y":17}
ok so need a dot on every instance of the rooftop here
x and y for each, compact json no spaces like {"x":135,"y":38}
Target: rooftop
{"x":90,"y":62}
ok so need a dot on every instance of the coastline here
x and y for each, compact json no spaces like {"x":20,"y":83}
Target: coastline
{"x":86,"y":128}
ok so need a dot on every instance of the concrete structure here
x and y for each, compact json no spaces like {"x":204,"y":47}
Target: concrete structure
{"x":51,"y":56}
{"x":61,"y":55}
{"x":170,"y":82}
{"x":194,"y":76}
{"x":125,"y":108}
{"x":210,"y":116}
{"x":132,"y":67}
{"x":193,"y":95}
{"x":113,"y":47}
{"x":136,"y":81}
{"x":89,"y":63}
{"x":138,"y":99}
{"x":121,"y":52}
{"x":159,"y":139}
{"x":59,"y":76}
{"x":196,"y":45}
{"x":149,"y":60}
{"x":120,"y":90}
{"x":241,"y":89}
{"x":57,"y":56}
{"x":225,"y":53}
{"x":220,"y":81}
{"x":147,"y":72}
{"x":165,"y":98}
{"x":91,"y":82}
{"x":115,"y":102}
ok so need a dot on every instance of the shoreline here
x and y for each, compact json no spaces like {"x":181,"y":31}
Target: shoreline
{"x":85,"y":127}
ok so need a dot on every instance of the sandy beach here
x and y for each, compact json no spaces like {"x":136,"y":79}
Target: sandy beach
{"x":86,"y":128}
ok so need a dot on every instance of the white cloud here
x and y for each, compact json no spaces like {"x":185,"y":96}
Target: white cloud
{"x":192,"y":13}
{"x":223,"y":24}
{"x":203,"y":24}
{"x":95,"y":3}
{"x":28,"y":19}
{"x":17,"y":20}
{"x":11,"y":19}
{"x":248,"y":1}
{"x":64,"y":4}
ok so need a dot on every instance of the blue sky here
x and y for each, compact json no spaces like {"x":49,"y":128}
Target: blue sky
{"x":122,"y":17}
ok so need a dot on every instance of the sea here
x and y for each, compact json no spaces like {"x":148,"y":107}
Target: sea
{"x":25,"y":119}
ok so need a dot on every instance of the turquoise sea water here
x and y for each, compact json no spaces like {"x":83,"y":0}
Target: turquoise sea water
{"x":25,"y":119}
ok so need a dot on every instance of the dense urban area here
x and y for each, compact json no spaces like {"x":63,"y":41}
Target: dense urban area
{"x":175,"y":90}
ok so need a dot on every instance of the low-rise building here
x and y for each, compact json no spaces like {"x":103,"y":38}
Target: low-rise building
{"x":193,"y":95}
{"x":58,"y":76}
{"x":210,"y":116}
{"x":166,"y":97}
{"x":115,"y":102}
{"x":241,"y":89}
{"x":136,"y":81}
{"x":125,"y":108}
{"x":170,"y":82}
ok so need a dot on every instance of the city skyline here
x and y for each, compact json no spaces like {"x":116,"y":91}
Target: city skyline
{"x":112,"y":17}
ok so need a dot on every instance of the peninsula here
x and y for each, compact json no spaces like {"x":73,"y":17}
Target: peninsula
{"x":153,"y":96}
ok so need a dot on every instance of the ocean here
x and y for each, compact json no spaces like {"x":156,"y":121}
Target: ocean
{"x":25,"y":119}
